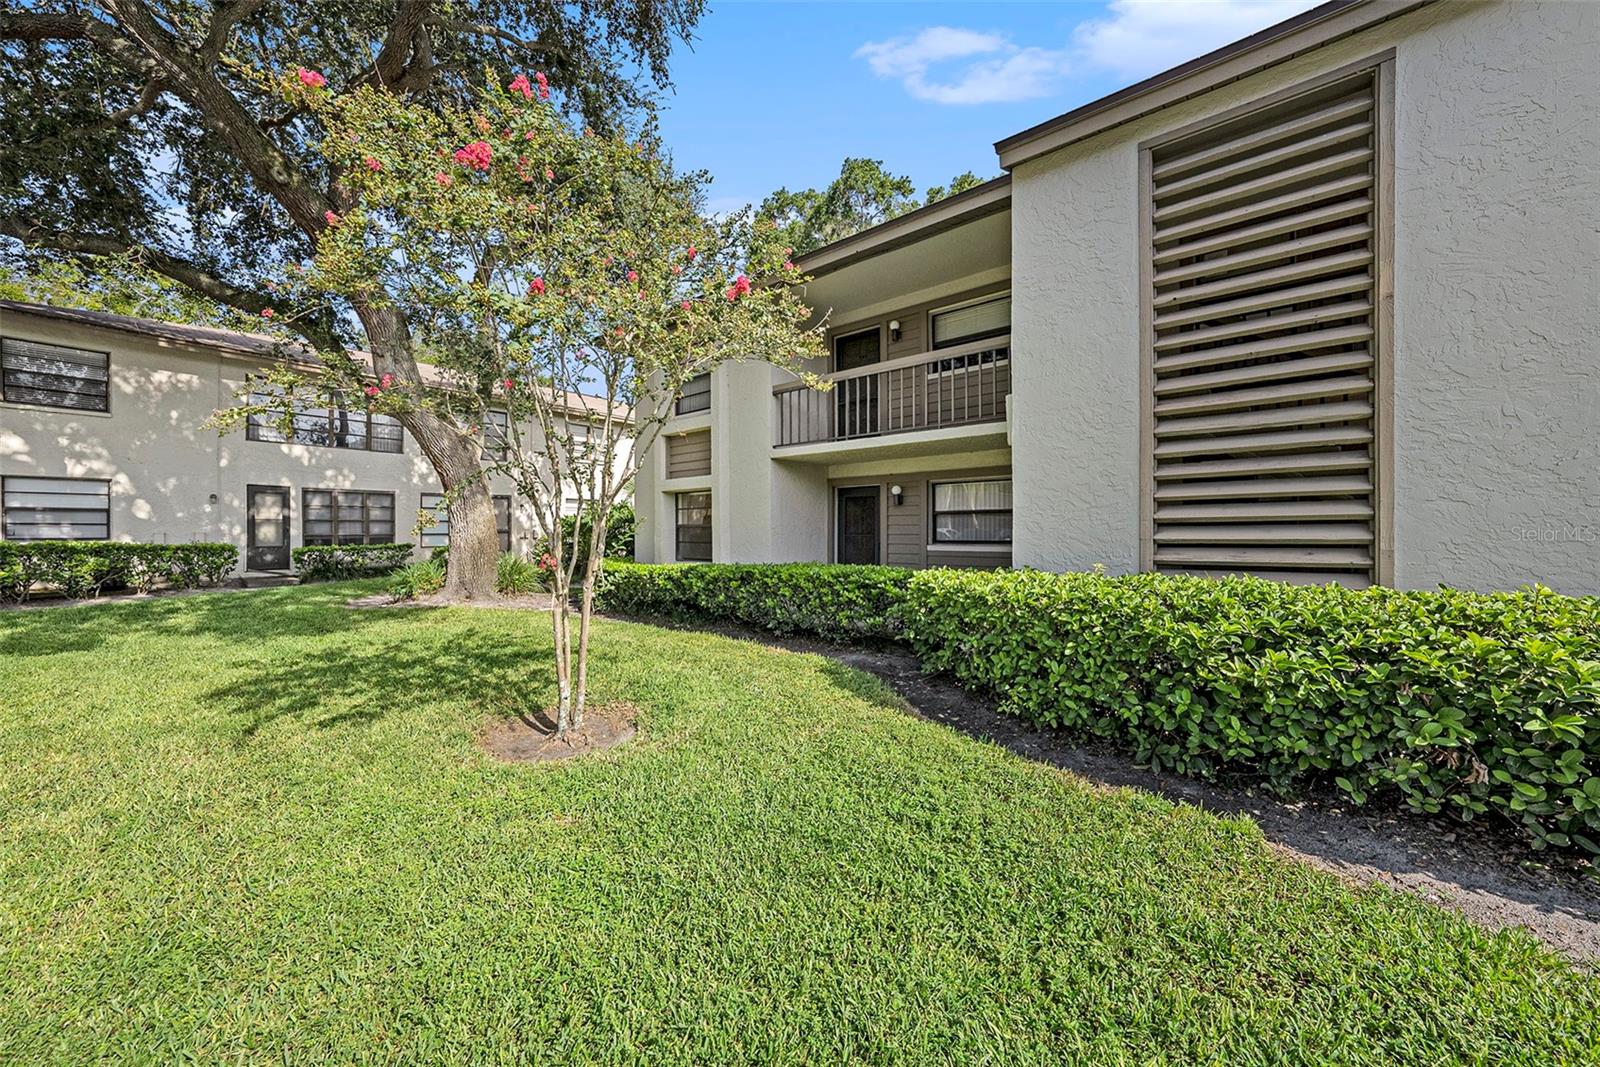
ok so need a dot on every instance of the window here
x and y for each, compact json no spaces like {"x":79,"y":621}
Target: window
{"x":696,"y":395}
{"x":56,"y":509}
{"x":496,"y":434}
{"x":969,"y":323}
{"x":334,"y":427}
{"x":694,"y":527}
{"x":438,"y":535}
{"x":976,"y":513}
{"x":54,"y":376}
{"x":347,"y":517}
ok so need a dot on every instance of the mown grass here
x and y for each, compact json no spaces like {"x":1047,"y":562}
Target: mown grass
{"x":255,"y":828}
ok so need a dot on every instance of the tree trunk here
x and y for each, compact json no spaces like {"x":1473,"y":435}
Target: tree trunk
{"x":474,"y":541}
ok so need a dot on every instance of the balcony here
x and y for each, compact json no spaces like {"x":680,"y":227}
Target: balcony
{"x":948,"y":389}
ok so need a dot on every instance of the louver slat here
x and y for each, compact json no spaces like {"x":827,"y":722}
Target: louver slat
{"x":1262,"y":301}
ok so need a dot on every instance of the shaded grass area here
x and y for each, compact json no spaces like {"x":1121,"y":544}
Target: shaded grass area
{"x":256,"y":827}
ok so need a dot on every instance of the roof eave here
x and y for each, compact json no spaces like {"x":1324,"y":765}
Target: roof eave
{"x":975,"y":203}
{"x":1277,"y":43}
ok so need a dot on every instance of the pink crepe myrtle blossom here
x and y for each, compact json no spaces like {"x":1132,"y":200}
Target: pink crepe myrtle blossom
{"x":311,"y":79}
{"x":373,"y":164}
{"x":691,"y":254}
{"x":677,"y":269}
{"x":519,"y":84}
{"x":372,"y":390}
{"x":386,"y":382}
{"x":633,"y":275}
{"x":266,"y":313}
{"x":544,"y":84}
{"x":618,"y":331}
{"x":740,"y":286}
{"x":536,"y":287}
{"x":507,"y":384}
{"x":443,"y":179}
{"x":788,"y":264}
{"x":549,"y":175}
{"x":330,"y":218}
{"x":686,"y":305}
{"x":475,"y":156}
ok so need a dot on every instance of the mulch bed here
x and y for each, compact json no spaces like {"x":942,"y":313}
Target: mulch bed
{"x":531,"y":738}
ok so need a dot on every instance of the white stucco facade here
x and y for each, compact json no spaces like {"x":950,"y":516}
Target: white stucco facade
{"x":1496,"y":322}
{"x":171,"y":478}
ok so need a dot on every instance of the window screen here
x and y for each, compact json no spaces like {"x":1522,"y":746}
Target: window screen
{"x":696,"y":395}
{"x":972,"y":512}
{"x":694,"y":527}
{"x":347,"y":517}
{"x":991,"y":318}
{"x":54,"y":376}
{"x":335,"y":427}
{"x":56,"y":509}
{"x":438,"y":535}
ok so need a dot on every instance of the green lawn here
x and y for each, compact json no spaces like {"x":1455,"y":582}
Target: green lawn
{"x":254,"y":827}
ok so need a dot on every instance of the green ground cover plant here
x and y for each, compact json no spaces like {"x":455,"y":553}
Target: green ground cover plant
{"x":256,"y":827}
{"x":1467,"y":704}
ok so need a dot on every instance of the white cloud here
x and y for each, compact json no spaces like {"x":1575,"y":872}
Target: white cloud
{"x":1144,"y":37}
{"x":1135,"y":38}
{"x":999,"y":72}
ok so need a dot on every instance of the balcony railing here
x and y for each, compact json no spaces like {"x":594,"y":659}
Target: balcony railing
{"x":950,"y":387}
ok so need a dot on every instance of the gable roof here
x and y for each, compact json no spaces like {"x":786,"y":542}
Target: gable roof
{"x":1279,"y":42}
{"x":975,"y":203}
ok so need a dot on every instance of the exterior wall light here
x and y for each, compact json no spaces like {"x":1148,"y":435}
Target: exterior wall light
{"x":894,"y":491}
{"x":894,"y":329}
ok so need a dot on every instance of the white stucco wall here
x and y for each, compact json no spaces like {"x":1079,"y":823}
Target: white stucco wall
{"x":164,"y":466}
{"x":1497,"y":306}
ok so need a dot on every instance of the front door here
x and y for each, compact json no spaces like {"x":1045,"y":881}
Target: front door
{"x":858,"y":524}
{"x":266,"y":528}
{"x":856,"y":403}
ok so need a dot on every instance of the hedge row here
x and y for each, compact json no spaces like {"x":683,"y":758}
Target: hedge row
{"x":1450,"y":702}
{"x":333,"y":563}
{"x":80,"y":569}
{"x":839,"y":602}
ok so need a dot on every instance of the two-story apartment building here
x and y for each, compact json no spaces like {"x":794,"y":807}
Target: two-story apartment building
{"x":1319,"y":306}
{"x":102,"y":436}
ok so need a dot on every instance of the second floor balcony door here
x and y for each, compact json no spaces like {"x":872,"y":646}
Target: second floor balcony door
{"x":856,"y":406}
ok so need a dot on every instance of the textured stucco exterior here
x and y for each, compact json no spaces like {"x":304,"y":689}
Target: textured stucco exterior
{"x":1496,"y":342}
{"x":174,"y":480}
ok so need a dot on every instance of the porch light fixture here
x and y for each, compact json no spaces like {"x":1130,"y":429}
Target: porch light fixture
{"x":894,"y":332}
{"x":894,"y":491}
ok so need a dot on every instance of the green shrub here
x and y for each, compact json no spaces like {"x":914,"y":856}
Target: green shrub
{"x":620,"y":526}
{"x":80,"y":569}
{"x":331,"y":563}
{"x":1454,"y":702}
{"x":1449,"y":702}
{"x":417,"y":579}
{"x":515,"y":576}
{"x":835,"y":602}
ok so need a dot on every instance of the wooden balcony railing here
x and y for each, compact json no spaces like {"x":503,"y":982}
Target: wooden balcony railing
{"x":950,"y":387}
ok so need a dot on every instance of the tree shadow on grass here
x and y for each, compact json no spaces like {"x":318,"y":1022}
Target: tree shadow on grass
{"x":371,"y":681}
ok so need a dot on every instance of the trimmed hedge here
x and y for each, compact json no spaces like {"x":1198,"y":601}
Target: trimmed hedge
{"x":838,"y":602}
{"x":80,"y":569}
{"x":332,"y":563}
{"x":1450,"y":702}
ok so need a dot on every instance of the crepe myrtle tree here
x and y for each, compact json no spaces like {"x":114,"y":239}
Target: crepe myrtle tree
{"x":149,"y":129}
{"x":564,"y":277}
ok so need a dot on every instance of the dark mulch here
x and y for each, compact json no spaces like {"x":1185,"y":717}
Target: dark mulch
{"x":1478,"y":869}
{"x":531,"y":738}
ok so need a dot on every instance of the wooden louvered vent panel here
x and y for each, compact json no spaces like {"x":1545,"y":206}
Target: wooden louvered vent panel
{"x":1262,"y":249}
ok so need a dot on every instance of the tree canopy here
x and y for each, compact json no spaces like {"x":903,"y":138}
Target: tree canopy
{"x":863,"y":195}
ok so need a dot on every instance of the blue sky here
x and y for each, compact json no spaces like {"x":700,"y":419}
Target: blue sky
{"x":778,"y":93}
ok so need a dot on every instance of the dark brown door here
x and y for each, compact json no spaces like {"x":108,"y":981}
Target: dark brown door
{"x":857,"y":398}
{"x":858,"y":524}
{"x":266,"y":528}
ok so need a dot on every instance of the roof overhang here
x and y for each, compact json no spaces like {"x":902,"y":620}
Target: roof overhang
{"x":1283,"y":41}
{"x":981,"y":200}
